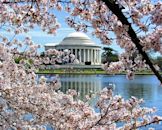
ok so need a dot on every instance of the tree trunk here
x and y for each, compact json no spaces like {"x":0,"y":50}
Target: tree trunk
{"x":117,"y":11}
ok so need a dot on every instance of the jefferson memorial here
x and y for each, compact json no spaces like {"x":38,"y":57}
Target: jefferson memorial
{"x":79,"y":44}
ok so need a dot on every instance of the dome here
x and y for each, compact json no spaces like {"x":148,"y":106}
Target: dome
{"x":77,"y":38}
{"x":78,"y":35}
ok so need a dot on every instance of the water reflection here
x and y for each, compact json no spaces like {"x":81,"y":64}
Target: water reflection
{"x":146,"y":87}
{"x":141,"y":87}
{"x":85,"y":85}
{"x":140,"y":91}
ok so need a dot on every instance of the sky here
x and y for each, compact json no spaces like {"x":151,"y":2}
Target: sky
{"x":42,"y":38}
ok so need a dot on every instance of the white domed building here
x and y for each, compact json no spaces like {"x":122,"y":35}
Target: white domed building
{"x":79,"y":44}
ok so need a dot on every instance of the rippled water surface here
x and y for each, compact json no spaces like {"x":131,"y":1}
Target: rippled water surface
{"x":146,"y":87}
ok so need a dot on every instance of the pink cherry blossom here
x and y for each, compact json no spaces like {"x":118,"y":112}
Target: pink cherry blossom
{"x":22,"y":94}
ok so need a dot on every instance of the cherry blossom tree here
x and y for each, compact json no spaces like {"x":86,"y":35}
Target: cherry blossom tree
{"x":21,"y":94}
{"x":127,"y":20}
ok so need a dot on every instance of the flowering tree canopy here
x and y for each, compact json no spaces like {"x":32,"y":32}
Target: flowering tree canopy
{"x":136,"y":27}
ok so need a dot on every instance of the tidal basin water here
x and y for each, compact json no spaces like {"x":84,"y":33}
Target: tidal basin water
{"x":146,"y":87}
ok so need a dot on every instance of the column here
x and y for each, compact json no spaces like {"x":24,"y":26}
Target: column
{"x":91,"y":56}
{"x":83,"y":55}
{"x":88,"y":59}
{"x":76,"y":56}
{"x":80,"y":56}
{"x":94,"y":56}
{"x":87,"y":54}
{"x":99,"y":56}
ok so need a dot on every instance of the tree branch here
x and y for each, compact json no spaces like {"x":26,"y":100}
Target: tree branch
{"x":14,"y":1}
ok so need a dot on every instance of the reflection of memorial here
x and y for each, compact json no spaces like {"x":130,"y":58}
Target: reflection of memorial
{"x":82,"y":84}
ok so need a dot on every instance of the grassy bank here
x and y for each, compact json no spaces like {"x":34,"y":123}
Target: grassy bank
{"x":76,"y":71}
{"x":86,"y":72}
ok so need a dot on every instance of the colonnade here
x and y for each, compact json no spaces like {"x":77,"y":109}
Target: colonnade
{"x":83,"y":55}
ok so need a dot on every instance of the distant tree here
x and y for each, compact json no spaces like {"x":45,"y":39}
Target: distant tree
{"x":109,"y":55}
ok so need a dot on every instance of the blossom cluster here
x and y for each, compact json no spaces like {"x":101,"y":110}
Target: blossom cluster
{"x":52,"y":57}
{"x":126,"y":64}
{"x":153,"y":40}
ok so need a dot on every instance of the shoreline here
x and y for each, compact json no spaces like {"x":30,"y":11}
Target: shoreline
{"x":90,"y":72}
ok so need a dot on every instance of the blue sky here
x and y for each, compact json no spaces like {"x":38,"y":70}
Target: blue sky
{"x":42,"y":38}
{"x":63,"y":32}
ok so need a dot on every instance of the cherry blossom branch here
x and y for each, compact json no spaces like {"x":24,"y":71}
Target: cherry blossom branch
{"x":15,"y":1}
{"x":117,"y":11}
{"x":142,"y":125}
{"x":4,"y":118}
